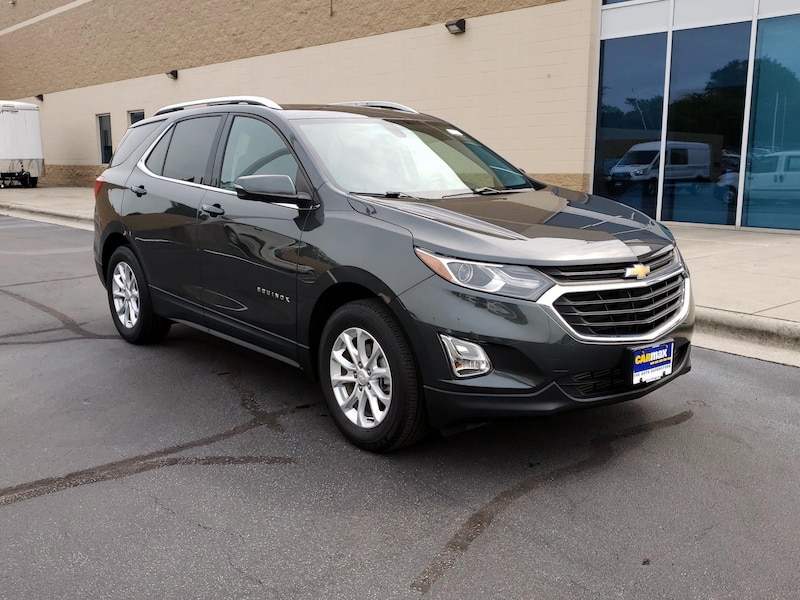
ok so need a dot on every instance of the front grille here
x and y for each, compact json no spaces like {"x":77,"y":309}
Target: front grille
{"x":657,"y":261}
{"x":628,"y":311}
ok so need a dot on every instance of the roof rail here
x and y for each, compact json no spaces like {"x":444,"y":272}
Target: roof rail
{"x":378,"y":104}
{"x":254,"y":100}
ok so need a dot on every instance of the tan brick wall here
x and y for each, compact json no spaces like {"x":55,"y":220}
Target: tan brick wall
{"x":13,"y":14}
{"x":71,"y":175}
{"x":572,"y":181}
{"x":113,"y":40}
{"x":522,"y":81}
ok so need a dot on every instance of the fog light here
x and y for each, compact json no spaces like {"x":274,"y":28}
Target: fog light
{"x":467,"y":359}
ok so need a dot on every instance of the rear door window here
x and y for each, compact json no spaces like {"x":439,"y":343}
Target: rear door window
{"x":183,"y":152}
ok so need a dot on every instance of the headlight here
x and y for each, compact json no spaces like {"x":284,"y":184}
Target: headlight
{"x":516,"y":281}
{"x":638,"y":172}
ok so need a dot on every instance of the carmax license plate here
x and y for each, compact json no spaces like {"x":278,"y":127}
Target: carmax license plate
{"x":652,"y":363}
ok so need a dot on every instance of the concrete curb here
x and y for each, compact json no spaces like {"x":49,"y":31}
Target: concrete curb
{"x":16,"y":208}
{"x":753,"y":328}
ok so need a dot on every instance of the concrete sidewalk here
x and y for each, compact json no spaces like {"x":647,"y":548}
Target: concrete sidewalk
{"x":746,"y":283}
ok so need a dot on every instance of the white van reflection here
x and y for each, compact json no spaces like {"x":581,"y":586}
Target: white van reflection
{"x":772,"y":176}
{"x":688,"y":162}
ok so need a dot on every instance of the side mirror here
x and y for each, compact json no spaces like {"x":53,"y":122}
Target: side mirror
{"x":272,"y":188}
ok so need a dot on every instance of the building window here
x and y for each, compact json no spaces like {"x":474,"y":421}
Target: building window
{"x":772,"y":179}
{"x":135,"y":116}
{"x":705,"y":121}
{"x":631,"y":101}
{"x":104,"y":123}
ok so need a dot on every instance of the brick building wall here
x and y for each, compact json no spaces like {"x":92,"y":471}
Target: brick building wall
{"x":110,"y":40}
{"x":522,"y":79}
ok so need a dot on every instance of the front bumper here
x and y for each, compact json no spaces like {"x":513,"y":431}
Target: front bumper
{"x":539,"y":365}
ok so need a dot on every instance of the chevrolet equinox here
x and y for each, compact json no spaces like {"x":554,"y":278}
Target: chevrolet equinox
{"x":419,"y":276}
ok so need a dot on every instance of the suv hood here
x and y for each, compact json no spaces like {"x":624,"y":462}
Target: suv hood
{"x":547,"y":227}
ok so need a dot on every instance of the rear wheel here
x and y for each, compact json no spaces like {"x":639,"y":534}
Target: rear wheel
{"x":729,"y":195}
{"x":369,"y":378}
{"x":34,"y":181}
{"x":130,"y":302}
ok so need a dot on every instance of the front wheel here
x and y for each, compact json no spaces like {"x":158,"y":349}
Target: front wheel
{"x":369,"y":378}
{"x":130,"y":302}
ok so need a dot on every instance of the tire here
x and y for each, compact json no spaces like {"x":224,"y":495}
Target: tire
{"x":729,"y":196}
{"x":369,"y":378}
{"x":34,"y":181}
{"x":130,"y":302}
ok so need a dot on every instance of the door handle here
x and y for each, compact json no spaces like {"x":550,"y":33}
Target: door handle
{"x":139,"y":191}
{"x":215,"y":210}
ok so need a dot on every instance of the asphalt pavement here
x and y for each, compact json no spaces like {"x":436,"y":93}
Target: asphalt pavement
{"x":746,"y":282}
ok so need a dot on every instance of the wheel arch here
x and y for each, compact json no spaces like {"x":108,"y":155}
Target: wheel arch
{"x":346,"y":285}
{"x":113,"y":240}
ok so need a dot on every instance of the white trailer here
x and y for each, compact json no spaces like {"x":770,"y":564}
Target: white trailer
{"x":21,"y":154}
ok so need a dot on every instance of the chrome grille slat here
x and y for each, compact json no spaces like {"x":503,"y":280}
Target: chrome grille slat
{"x":641,"y":301}
{"x":629,"y":311}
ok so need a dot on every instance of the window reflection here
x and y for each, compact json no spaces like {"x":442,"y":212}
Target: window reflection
{"x":772,"y":179}
{"x":706,"y":112}
{"x":629,"y":119}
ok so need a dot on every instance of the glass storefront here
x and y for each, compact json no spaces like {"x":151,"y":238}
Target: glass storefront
{"x":704,"y":124}
{"x":706,"y":87}
{"x":772,"y":172}
{"x":629,"y":120}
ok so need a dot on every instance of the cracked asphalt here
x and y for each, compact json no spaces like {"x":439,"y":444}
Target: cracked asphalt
{"x":197,"y":469}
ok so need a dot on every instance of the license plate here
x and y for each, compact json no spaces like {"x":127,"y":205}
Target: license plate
{"x":652,"y":363}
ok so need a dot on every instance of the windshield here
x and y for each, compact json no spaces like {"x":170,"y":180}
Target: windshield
{"x":421,"y":159}
{"x":638,"y":157}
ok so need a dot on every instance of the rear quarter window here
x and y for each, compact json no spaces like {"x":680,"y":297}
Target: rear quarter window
{"x":133,"y":138}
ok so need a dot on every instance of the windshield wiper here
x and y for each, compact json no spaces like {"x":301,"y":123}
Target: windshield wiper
{"x":488,"y":191}
{"x":390,"y":194}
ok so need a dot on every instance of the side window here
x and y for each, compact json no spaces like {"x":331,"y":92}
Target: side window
{"x":189,"y":149}
{"x":255,"y":148}
{"x":132,"y":139}
{"x":793,"y":163}
{"x":679,"y":156}
{"x":155,"y":162}
{"x":183,"y":153}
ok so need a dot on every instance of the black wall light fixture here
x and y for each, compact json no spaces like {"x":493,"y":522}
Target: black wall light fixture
{"x":172,"y":74}
{"x":456,"y":26}
{"x":39,"y":97}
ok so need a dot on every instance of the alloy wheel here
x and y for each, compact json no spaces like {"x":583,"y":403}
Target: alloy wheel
{"x":361,"y":378}
{"x":125,"y":292}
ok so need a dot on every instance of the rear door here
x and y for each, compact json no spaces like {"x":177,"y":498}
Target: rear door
{"x":160,"y":209}
{"x":249,"y":248}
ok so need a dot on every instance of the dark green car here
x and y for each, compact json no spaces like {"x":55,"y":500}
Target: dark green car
{"x":424,"y":280}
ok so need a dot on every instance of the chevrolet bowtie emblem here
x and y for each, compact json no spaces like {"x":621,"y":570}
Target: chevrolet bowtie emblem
{"x":639,"y":271}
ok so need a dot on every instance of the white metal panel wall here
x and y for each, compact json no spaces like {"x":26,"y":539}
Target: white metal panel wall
{"x":775,"y":8}
{"x":691,"y":13}
{"x":622,"y":20}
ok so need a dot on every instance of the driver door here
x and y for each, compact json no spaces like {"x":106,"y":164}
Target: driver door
{"x":248,"y":248}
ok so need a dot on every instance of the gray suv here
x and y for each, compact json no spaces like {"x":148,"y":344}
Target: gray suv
{"x":420,"y":277}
